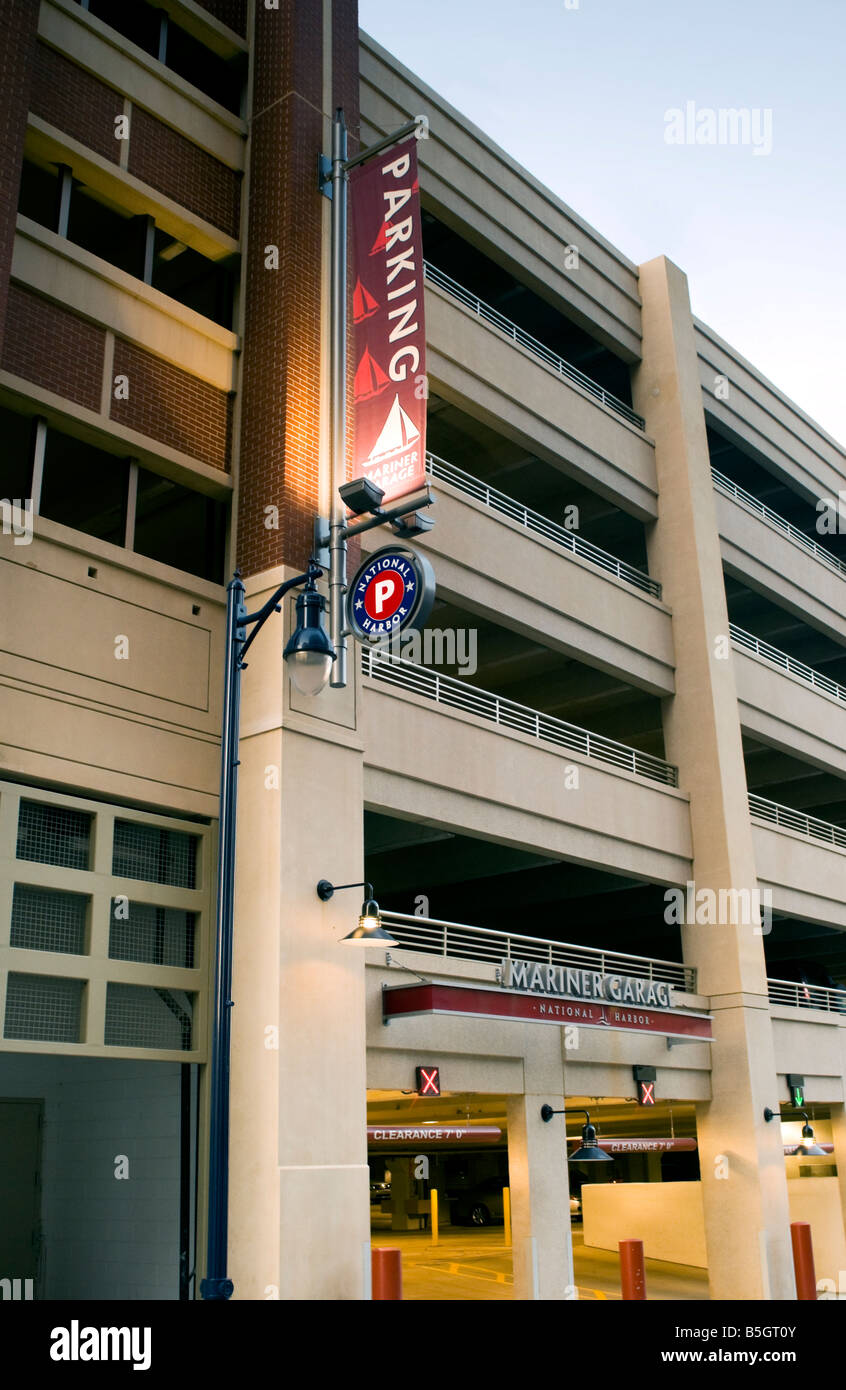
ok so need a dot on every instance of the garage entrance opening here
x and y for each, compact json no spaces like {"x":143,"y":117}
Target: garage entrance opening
{"x":440,"y":1191}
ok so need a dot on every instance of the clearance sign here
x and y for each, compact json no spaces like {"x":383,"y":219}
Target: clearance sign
{"x":390,"y":338}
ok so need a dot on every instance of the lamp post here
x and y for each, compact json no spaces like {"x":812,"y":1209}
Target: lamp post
{"x":308,"y":656}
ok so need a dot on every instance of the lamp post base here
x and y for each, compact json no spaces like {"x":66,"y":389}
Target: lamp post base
{"x":216,"y":1289}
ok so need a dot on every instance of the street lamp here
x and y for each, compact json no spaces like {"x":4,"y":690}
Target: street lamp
{"x":308,"y":659}
{"x":590,"y":1151}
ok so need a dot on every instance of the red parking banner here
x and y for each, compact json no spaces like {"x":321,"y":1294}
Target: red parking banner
{"x":390,"y":338}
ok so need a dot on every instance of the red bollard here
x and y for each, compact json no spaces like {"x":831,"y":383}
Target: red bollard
{"x":803,"y":1261}
{"x":632,"y":1270}
{"x":386,"y":1266}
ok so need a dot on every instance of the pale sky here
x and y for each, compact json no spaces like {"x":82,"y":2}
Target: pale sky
{"x":579,"y":97}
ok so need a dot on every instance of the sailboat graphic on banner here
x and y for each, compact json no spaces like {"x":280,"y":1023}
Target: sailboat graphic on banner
{"x":398,"y":432}
{"x":369,"y":379}
{"x":364,"y":305}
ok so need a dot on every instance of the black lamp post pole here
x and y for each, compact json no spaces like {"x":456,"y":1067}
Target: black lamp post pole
{"x":217,"y":1284}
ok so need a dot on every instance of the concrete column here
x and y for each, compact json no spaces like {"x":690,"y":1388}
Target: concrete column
{"x":400,"y":1193}
{"x":299,"y":1208}
{"x":653,"y":1167}
{"x":743,"y":1180}
{"x":838,"y":1138}
{"x":537,"y":1175}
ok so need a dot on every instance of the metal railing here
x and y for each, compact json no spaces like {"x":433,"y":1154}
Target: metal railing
{"x":802,"y":996}
{"x":535,"y":521}
{"x":730,"y":489}
{"x":446,"y":690}
{"x":456,"y":939}
{"x":788,"y":819}
{"x":519,"y":335}
{"x":787,"y":663}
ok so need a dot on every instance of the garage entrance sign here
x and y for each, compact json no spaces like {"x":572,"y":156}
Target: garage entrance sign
{"x":407,"y":1000}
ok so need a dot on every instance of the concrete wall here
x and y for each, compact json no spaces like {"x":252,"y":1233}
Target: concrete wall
{"x":476,"y":366}
{"x":788,"y":713}
{"x":480,"y":779}
{"x":772,"y":564}
{"x":497,"y":568}
{"x":105,"y":1238}
{"x":144,"y":727}
{"x":817,"y":1200}
{"x":805,"y":875}
{"x":666,"y":1216}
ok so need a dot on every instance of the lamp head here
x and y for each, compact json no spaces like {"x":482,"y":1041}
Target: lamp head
{"x":589,"y":1151}
{"x":309,"y":652}
{"x":370,"y":931}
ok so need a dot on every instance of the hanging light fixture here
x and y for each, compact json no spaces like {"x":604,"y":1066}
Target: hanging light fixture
{"x":808,"y":1146}
{"x":369,"y":931}
{"x":589,"y":1151}
{"x":309,"y":652}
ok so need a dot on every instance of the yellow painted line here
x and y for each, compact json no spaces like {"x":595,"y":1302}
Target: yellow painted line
{"x":462,"y":1273}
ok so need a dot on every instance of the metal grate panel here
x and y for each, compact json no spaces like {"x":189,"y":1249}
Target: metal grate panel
{"x":54,"y":835}
{"x":141,"y":1016}
{"x":45,"y":1008}
{"x":154,"y":855}
{"x":154,"y":935}
{"x":45,"y":919}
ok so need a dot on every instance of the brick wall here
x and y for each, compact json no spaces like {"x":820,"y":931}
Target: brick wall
{"x":176,"y":166}
{"x":282,"y":341}
{"x":230,"y":12}
{"x":75,"y":102}
{"x":172,"y":405}
{"x":18,"y":28}
{"x":53,"y":347}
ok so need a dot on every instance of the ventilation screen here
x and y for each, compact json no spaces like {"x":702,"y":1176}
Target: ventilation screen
{"x":44,"y":919}
{"x":139,"y":1016}
{"x":155,"y":935}
{"x":157,"y":856}
{"x":54,"y":835}
{"x":43,"y":1007}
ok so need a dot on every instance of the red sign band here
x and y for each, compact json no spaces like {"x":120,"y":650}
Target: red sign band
{"x":406,"y":1000}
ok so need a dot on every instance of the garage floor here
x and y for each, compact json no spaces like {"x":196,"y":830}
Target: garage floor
{"x":476,"y":1266}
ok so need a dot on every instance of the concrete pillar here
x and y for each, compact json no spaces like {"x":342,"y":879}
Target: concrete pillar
{"x":838,"y":1138}
{"x":400,"y":1193}
{"x":743,"y":1180}
{"x":299,"y":1209}
{"x":537,"y":1175}
{"x":653,"y":1167}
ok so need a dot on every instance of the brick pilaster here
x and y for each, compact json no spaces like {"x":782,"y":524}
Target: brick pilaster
{"x":18,"y":28}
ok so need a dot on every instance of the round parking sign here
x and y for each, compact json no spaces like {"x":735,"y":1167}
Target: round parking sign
{"x":392,"y":590}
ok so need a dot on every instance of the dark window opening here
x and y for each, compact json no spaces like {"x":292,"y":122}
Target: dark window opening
{"x":220,"y":78}
{"x":85,"y":488}
{"x":17,"y":432}
{"x":39,"y":194}
{"x":115,"y":237}
{"x":178,"y":527}
{"x":482,"y":276}
{"x":137,"y":21}
{"x":206,"y":286}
